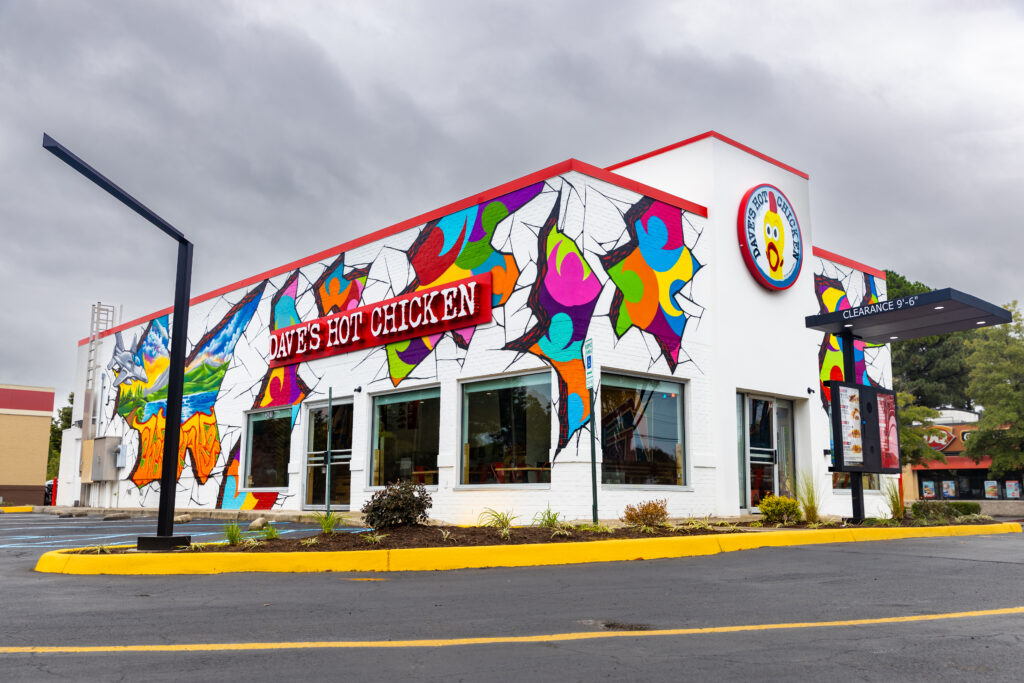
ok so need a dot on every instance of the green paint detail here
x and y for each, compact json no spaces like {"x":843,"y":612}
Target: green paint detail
{"x":475,"y":254}
{"x":198,"y":380}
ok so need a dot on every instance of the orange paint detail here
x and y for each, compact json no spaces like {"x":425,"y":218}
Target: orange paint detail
{"x":199,"y":437}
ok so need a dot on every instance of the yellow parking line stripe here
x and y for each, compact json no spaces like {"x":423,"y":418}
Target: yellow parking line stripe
{"x":498,"y":640}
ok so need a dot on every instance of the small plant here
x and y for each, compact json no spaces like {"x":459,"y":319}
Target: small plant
{"x":820,"y":524}
{"x":646,"y":528}
{"x":100,"y":550}
{"x":595,"y":528}
{"x":270,"y":532}
{"x":309,"y":542}
{"x":327,"y":521}
{"x":974,"y":519}
{"x":933,"y":511}
{"x":808,"y":495}
{"x":757,"y":524}
{"x":879,"y":521}
{"x":233,"y":533}
{"x":648,"y":513}
{"x":561,"y":529}
{"x":399,"y":504}
{"x":374,"y":538}
{"x":447,"y":535}
{"x":779,"y":510}
{"x":893,"y":499}
{"x":698,"y":524}
{"x":547,"y":519}
{"x":197,"y":547}
{"x":726,"y":526}
{"x":502,"y":521}
{"x":250,"y":543}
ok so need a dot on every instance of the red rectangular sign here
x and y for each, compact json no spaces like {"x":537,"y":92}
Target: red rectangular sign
{"x":452,"y":306}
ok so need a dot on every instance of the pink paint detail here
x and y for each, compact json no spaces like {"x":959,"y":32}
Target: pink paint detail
{"x":567,"y":284}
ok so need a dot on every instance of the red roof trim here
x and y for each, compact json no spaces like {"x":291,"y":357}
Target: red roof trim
{"x":511,"y":186}
{"x":26,"y":399}
{"x":849,"y":262}
{"x":717,"y":136}
{"x":956,"y":462}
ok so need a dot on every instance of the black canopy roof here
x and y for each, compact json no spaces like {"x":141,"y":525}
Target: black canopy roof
{"x":910,"y":317}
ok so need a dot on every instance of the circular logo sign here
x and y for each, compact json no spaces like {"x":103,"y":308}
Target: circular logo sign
{"x":770,"y":238}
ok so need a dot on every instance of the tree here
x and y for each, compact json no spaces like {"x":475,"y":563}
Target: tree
{"x":915,"y":425}
{"x":57,"y":427}
{"x":933,"y":369}
{"x":997,"y":383}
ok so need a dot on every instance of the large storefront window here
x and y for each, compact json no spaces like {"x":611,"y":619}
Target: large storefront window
{"x":267,"y":448}
{"x":317,"y":460}
{"x":506,"y":428}
{"x":405,"y":436}
{"x":642,"y":431}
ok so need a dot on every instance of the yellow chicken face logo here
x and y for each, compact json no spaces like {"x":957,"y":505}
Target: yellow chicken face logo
{"x":775,"y":238}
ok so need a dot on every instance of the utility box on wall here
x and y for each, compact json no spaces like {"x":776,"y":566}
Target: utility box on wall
{"x":105,"y":452}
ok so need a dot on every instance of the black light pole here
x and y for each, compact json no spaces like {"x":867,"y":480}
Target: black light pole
{"x":165,"y":537}
{"x":850,"y":375}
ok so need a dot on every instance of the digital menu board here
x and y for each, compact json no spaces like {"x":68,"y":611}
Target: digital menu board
{"x":865,"y":429}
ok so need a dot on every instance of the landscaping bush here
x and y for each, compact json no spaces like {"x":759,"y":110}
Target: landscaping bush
{"x":779,"y":510}
{"x":932,"y":510}
{"x":647,"y":514}
{"x":965,"y":508}
{"x":398,"y":504}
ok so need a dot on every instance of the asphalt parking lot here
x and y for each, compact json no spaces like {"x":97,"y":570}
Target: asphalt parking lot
{"x":936,"y":609}
{"x":31,"y":531}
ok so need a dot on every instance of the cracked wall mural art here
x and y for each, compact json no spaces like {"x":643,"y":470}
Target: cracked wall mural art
{"x":337,"y":292}
{"x":563,"y":300}
{"x":280,"y":387}
{"x":141,"y":378}
{"x":452,"y":248}
{"x":832,"y":297}
{"x":649,"y":272}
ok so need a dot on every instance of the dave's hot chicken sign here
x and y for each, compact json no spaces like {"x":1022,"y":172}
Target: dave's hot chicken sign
{"x":452,"y":306}
{"x":769,"y":236}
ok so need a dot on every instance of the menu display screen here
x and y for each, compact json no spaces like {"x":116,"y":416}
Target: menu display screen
{"x":865,"y":429}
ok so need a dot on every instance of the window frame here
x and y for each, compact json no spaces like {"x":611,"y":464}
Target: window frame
{"x":390,"y":398}
{"x":462,"y":441}
{"x":245,"y":467}
{"x":683,"y":385}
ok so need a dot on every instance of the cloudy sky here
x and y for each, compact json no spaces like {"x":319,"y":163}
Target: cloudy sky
{"x":267,"y":131}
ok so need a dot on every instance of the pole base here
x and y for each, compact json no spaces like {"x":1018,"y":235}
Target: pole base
{"x":163,"y":542}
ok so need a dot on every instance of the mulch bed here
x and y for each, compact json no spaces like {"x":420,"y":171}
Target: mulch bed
{"x":432,"y":536}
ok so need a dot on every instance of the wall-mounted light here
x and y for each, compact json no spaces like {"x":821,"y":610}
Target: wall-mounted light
{"x":810,"y":391}
{"x":357,"y":390}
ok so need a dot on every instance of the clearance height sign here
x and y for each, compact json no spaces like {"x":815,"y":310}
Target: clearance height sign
{"x":452,"y":306}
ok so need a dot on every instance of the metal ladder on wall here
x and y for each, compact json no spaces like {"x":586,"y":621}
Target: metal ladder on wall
{"x":101,"y":319}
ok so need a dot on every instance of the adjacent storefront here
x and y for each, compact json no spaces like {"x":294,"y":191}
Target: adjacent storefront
{"x":448,"y":350}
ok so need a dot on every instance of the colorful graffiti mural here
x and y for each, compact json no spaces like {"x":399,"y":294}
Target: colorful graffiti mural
{"x":142,"y":392}
{"x":832,"y":297}
{"x":336,"y":291}
{"x":648,"y":272}
{"x":453,"y":248}
{"x":563,"y":300}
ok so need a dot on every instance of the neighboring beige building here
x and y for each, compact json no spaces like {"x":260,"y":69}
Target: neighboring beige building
{"x":25,"y":414}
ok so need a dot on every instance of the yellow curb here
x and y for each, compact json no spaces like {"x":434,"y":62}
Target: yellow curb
{"x":16,"y":508}
{"x":527,"y":555}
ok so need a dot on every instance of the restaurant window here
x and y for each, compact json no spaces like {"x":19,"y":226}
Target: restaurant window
{"x":267,"y":448}
{"x":405,"y":437}
{"x":506,"y":430}
{"x":641,"y":431}
{"x":318,"y":461}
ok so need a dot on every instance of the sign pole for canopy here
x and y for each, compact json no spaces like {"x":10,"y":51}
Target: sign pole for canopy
{"x":588,"y":365}
{"x":330,"y":427}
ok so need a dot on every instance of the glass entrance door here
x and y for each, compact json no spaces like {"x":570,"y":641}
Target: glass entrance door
{"x":761,"y":448}
{"x":767,"y":444}
{"x":317,"y":457}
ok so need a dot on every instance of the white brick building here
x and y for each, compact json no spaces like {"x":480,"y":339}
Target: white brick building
{"x":708,"y":384}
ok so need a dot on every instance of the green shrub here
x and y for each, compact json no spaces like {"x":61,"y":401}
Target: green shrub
{"x":398,"y":504}
{"x":965,"y":508}
{"x":327,"y":521}
{"x":647,"y":514}
{"x":779,"y":510}
{"x":891,"y":497}
{"x":502,"y":521}
{"x":547,"y":519}
{"x":932,"y":511}
{"x":270,"y":532}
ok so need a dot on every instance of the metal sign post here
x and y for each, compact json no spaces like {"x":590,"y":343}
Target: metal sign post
{"x":330,"y":428}
{"x":165,"y":538}
{"x":588,"y":364}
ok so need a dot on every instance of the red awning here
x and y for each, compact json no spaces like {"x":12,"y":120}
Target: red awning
{"x":956,"y":462}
